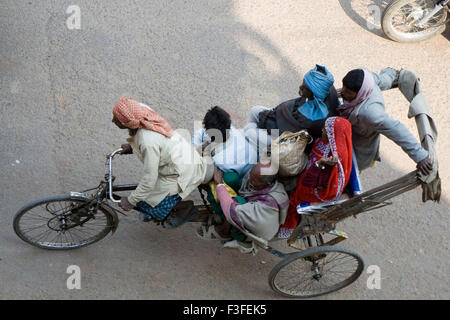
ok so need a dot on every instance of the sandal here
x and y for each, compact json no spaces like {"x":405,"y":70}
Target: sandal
{"x":244,"y":247}
{"x":208,"y":232}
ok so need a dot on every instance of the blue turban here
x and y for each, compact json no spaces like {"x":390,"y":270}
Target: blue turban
{"x":320,"y":85}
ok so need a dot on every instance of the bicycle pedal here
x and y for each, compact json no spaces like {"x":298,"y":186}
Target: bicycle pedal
{"x":298,"y":244}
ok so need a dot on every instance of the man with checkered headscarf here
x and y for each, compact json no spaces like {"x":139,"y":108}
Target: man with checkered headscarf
{"x":172,"y":167}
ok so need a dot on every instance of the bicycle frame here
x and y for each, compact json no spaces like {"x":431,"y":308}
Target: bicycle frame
{"x":105,"y":191}
{"x":108,"y":193}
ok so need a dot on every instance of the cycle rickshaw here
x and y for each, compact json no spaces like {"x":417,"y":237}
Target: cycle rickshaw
{"x":317,"y":267}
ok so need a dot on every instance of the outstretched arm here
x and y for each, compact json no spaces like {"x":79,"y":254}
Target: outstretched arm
{"x":224,"y":198}
{"x":397,"y":132}
{"x":387,"y":78}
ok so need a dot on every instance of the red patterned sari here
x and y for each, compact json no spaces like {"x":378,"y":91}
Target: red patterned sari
{"x":339,"y":145}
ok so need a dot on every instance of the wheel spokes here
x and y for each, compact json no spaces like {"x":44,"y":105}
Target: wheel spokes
{"x":407,"y":17}
{"x":57,"y":224}
{"x":317,"y":274}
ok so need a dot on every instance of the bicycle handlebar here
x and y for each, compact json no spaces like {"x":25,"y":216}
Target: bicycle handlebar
{"x":110,"y":157}
{"x":112,"y":154}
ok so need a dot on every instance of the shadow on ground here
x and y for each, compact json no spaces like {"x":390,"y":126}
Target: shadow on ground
{"x":368,"y":14}
{"x":181,"y":59}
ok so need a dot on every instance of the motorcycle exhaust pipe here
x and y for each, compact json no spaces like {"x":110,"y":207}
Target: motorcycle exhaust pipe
{"x":439,"y":6}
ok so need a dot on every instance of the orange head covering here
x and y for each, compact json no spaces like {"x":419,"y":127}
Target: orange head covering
{"x":133,"y":115}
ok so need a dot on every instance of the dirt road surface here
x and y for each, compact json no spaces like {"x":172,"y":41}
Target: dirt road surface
{"x":57,"y":89}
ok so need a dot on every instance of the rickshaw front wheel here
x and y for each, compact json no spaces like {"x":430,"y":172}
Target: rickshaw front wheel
{"x":315,"y":272}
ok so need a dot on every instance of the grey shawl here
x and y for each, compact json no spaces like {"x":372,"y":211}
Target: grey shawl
{"x":369,"y":119}
{"x":265,"y":209}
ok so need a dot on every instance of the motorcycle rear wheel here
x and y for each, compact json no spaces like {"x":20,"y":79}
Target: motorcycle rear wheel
{"x":400,"y":16}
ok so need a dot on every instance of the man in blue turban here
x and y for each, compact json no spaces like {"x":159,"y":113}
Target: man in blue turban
{"x":316,"y":87}
{"x":318,"y":100}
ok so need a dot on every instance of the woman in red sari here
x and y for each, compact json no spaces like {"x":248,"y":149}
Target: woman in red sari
{"x":327,"y":172}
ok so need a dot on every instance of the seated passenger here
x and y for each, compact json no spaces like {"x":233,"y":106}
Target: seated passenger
{"x":263,"y":211}
{"x":231,"y":151}
{"x":327,"y":172}
{"x":172,"y":167}
{"x":364,"y":107}
{"x":318,"y":100}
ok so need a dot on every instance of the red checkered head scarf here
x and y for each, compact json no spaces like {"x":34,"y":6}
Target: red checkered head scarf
{"x":133,"y":115}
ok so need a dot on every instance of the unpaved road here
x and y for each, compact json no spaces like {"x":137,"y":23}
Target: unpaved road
{"x":57,"y":89}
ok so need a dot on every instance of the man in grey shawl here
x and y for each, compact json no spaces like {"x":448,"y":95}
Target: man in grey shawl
{"x":364,"y":107}
{"x":264,"y":211}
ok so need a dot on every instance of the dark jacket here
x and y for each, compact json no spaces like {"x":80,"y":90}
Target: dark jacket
{"x":286,"y":117}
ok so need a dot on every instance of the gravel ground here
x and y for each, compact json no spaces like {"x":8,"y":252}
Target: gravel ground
{"x":57,"y":89}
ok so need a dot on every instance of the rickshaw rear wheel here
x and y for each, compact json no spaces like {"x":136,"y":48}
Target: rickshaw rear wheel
{"x":315,"y":272}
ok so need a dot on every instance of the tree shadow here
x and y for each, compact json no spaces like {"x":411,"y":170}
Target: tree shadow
{"x":180,"y":59}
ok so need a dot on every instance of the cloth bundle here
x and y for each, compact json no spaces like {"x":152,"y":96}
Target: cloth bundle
{"x":409,"y":85}
{"x":289,"y":149}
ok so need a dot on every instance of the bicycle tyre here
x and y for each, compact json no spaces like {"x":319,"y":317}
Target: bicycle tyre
{"x":109,"y":225}
{"x":282,"y":265}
